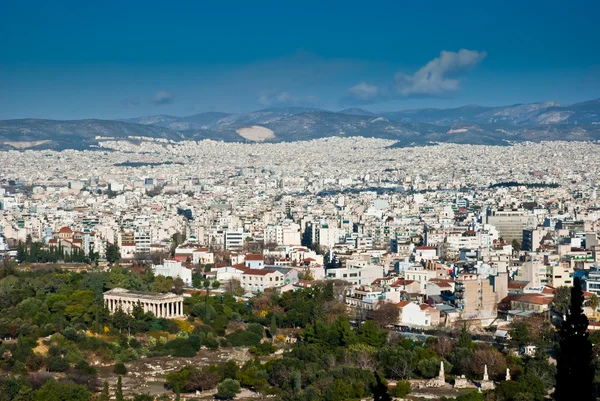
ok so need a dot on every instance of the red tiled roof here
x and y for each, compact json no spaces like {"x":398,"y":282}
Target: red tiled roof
{"x":402,"y":304}
{"x":441,"y":284}
{"x":532,"y":299}
{"x":65,"y":230}
{"x":402,"y":282}
{"x":254,"y":256}
{"x":258,"y":272}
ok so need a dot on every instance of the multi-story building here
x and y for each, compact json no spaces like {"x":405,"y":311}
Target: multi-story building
{"x":511,"y":223}
{"x":475,"y":297}
{"x":532,"y":238}
{"x":261,"y":279}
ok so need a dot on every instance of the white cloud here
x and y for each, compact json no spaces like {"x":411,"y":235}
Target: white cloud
{"x":364,"y":91}
{"x":162,"y":97}
{"x":285,"y":99}
{"x":440,"y":75}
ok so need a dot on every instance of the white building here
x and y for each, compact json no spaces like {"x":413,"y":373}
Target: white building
{"x":356,"y":274}
{"x":234,"y":239}
{"x":261,"y":279}
{"x":174,"y":269}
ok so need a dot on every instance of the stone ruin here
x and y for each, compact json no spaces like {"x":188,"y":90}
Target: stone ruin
{"x":461,"y":382}
{"x":486,"y":383}
{"x":439,"y":381}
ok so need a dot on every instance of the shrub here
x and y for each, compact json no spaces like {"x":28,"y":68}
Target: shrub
{"x":228,"y":389}
{"x":401,"y":390}
{"x":264,"y":348}
{"x":244,"y":338}
{"x":120,"y":369}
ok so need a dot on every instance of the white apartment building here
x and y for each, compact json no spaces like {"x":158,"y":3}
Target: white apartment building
{"x":256,"y":280}
{"x":174,"y":269}
{"x":143,"y":241}
{"x":234,"y":239}
{"x":356,"y":274}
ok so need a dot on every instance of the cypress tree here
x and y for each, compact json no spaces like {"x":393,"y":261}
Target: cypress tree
{"x":105,"y":395}
{"x":380,"y":390}
{"x":575,"y":372}
{"x":273,"y":328}
{"x":119,"y":391}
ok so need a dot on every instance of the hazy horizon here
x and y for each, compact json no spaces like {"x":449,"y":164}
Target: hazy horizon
{"x":77,"y":60}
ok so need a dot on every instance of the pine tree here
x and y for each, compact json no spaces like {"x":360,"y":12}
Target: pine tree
{"x":464,"y":339}
{"x":21,"y":253}
{"x":575,"y":372}
{"x":119,"y":391}
{"x":105,"y":395}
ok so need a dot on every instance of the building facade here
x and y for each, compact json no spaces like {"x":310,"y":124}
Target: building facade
{"x":167,"y":306}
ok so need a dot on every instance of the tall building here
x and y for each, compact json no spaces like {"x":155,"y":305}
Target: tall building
{"x":475,"y":297}
{"x":234,"y":239}
{"x":510,"y":223}
{"x":532,"y":238}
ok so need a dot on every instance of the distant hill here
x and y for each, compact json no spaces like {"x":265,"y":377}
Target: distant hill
{"x":518,"y":114}
{"x":471,"y":124}
{"x":72,"y":134}
{"x":196,"y":121}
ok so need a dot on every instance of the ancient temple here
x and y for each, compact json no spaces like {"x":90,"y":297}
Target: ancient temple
{"x":162,"y":305}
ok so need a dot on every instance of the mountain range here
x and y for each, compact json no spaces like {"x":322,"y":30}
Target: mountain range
{"x":471,"y":124}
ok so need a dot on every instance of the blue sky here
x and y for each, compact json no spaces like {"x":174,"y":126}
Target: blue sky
{"x":75,"y":59}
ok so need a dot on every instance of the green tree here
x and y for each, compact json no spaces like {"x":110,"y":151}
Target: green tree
{"x":395,"y":361}
{"x":162,"y":284}
{"x":401,"y":390}
{"x":380,"y":390}
{"x":519,"y":334}
{"x":105,"y":394}
{"x":273,"y":327}
{"x":119,"y":390}
{"x":370,"y":334}
{"x":575,"y":372}
{"x":228,"y":389}
{"x":113,"y":255}
{"x":62,"y":391}
{"x":516,"y":245}
{"x":464,"y":339}
{"x":80,"y":305}
{"x":593,"y":303}
{"x":561,"y":301}
{"x":178,"y":285}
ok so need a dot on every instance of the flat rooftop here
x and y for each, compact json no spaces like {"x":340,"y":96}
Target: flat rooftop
{"x":157,"y":296}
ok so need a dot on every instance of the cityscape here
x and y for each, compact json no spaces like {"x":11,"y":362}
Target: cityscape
{"x":303,"y":206}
